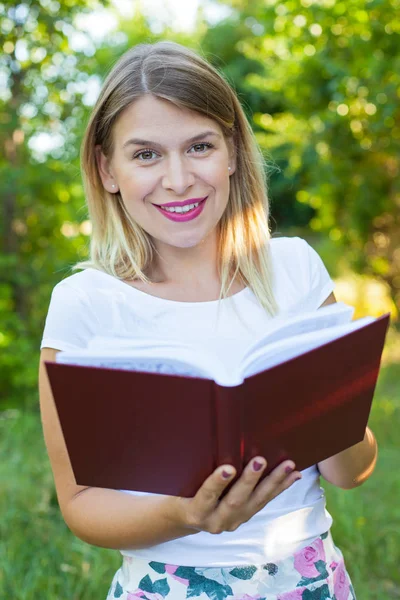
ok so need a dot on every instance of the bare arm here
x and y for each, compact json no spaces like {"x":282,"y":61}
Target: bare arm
{"x":114,"y":519}
{"x":353,"y":466}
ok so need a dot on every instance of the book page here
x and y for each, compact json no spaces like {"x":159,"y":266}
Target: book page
{"x":109,"y":344}
{"x":281,"y":328}
{"x":149,"y":359}
{"x":284,"y":350}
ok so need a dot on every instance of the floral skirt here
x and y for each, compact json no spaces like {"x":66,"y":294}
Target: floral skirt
{"x":316,"y":572}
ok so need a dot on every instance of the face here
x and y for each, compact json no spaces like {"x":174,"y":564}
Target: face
{"x":166,"y":156}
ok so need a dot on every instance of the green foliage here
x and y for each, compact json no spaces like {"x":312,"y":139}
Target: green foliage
{"x":319,"y":82}
{"x":329,"y":116}
{"x":43,"y":229}
{"x":42,"y":96}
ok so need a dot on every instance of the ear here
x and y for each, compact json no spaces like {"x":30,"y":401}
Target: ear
{"x":105,"y":171}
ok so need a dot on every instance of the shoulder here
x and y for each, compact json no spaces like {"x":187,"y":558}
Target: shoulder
{"x":287,"y":244}
{"x":93,"y":303}
{"x":90,"y":294}
{"x":295,"y":250}
{"x":89,"y":287}
{"x":80,"y":282}
{"x":291,"y":252}
{"x":70,"y":319}
{"x":299,"y":272}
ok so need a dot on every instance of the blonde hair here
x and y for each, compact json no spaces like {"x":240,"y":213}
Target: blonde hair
{"x":118,"y":245}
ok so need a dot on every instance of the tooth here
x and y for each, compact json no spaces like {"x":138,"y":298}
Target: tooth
{"x":181,"y":209}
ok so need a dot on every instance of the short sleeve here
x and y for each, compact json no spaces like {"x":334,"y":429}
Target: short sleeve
{"x":319,"y":282}
{"x":70,"y":322}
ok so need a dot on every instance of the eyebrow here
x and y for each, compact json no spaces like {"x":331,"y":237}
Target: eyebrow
{"x":140,"y":142}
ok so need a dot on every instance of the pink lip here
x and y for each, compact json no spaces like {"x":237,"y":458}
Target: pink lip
{"x":180,"y":217}
{"x":184,"y":203}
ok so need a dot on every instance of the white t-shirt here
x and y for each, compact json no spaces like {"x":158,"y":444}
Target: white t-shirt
{"x":91,"y":303}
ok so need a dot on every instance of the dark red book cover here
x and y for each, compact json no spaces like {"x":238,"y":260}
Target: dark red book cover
{"x":166,"y":434}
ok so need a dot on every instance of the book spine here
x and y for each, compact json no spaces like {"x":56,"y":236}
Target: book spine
{"x":229,"y":435}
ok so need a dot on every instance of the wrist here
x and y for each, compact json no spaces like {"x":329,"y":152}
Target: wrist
{"x":179,"y":515}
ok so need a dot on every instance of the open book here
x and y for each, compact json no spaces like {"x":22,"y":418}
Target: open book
{"x":285,"y":339}
{"x":158,"y":416}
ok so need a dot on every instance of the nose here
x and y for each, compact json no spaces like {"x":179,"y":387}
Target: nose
{"x":178,"y":175}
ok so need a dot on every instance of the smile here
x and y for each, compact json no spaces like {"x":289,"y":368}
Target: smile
{"x":180,"y":209}
{"x":181,"y":213}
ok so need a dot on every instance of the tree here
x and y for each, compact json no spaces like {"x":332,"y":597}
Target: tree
{"x":46,"y":70}
{"x":331,"y":76}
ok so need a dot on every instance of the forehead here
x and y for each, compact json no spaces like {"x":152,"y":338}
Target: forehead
{"x":156,"y":119}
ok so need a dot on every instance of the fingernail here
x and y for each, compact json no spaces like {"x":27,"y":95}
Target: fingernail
{"x":289,"y":469}
{"x":297,"y":478}
{"x":226,"y":474}
{"x":257,"y":466}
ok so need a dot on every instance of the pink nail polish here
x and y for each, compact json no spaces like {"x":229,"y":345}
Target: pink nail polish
{"x":289,"y":469}
{"x":257,"y":466}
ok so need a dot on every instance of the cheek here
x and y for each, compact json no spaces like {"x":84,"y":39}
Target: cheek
{"x":217,"y":177}
{"x":136,"y":183}
{"x":222,"y":181}
{"x":218,"y":172}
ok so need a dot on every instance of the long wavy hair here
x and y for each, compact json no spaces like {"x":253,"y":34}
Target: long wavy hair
{"x":118,"y":245}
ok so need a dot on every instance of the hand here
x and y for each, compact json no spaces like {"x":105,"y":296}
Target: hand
{"x":206,"y":512}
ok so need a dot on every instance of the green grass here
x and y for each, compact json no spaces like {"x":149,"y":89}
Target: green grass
{"x":39,"y":556}
{"x":41,"y":559}
{"x":367,"y":519}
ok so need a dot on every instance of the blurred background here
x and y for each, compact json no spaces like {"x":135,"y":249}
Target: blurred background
{"x":320,"y":83}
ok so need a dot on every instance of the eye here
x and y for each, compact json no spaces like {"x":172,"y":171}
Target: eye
{"x":202,"y":147}
{"x":145,"y":154}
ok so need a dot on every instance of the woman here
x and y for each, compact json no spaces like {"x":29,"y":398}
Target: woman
{"x":180,"y":247}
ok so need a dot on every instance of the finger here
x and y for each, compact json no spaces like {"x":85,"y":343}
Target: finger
{"x":207,"y":497}
{"x":281,"y":478}
{"x":238,"y":496}
{"x":281,"y":472}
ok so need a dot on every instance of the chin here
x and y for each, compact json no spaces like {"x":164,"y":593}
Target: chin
{"x":190,"y":243}
{"x":185,"y":241}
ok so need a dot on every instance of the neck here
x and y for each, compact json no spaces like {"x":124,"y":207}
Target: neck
{"x":188,"y":267}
